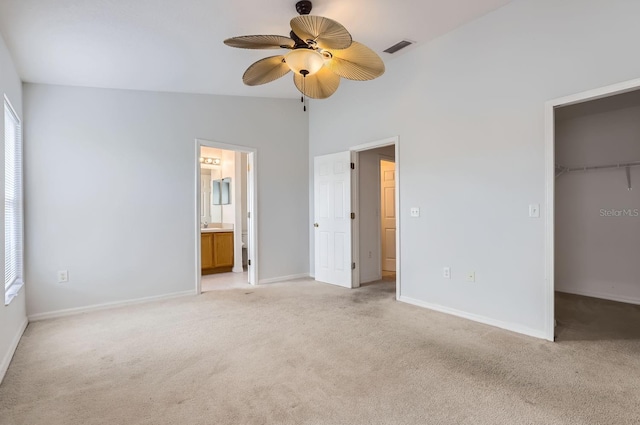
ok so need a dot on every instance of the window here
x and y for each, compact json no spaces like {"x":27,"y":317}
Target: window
{"x":13,"y":212}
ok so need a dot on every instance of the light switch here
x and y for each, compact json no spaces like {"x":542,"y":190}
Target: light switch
{"x":534,"y":210}
{"x":415,"y":212}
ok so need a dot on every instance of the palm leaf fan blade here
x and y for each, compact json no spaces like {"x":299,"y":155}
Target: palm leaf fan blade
{"x":260,"y":42}
{"x":357,"y":62}
{"x":320,"y":85}
{"x":327,"y":33}
{"x":265,"y":70}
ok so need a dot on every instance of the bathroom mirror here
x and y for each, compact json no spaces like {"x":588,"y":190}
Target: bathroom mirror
{"x":210,"y":213}
{"x":221,"y":191}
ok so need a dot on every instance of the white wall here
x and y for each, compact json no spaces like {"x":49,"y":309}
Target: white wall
{"x":469,"y":112}
{"x":369,"y":210}
{"x":13,"y":317}
{"x":597,"y":249}
{"x":128,"y":158}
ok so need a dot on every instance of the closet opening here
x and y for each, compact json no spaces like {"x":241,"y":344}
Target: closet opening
{"x":596,"y":217}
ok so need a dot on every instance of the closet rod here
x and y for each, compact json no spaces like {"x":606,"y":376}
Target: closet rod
{"x":597,"y":167}
{"x":560,"y":170}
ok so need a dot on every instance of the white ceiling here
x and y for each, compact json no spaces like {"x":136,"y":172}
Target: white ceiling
{"x":169,"y":45}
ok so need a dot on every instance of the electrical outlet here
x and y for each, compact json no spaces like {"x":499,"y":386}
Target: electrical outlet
{"x":415,"y":212}
{"x":63,"y":276}
{"x":446,"y":272}
{"x":471,"y":277}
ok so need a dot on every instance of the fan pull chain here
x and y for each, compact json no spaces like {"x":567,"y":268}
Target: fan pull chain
{"x":303,"y":99}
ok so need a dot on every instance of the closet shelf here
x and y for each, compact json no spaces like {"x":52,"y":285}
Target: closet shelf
{"x":560,"y":169}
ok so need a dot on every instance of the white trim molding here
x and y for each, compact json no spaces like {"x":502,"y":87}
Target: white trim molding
{"x":513,"y":327}
{"x":106,"y":306}
{"x":283,"y":278}
{"x":4,"y":366}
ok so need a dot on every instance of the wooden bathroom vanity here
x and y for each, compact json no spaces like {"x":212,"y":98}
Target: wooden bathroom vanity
{"x":216,"y":250}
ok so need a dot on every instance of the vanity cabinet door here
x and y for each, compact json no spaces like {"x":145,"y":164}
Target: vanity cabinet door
{"x":206,"y":240}
{"x":223,"y":249}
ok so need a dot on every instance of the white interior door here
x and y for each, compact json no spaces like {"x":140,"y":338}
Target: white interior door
{"x":332,"y":196}
{"x":388,"y":214}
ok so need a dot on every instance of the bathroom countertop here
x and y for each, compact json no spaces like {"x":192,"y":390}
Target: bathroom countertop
{"x":215,"y":230}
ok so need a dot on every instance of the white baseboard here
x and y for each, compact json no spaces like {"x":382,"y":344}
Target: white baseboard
{"x":12,"y":349}
{"x":477,"y":318}
{"x":283,"y":278}
{"x":95,"y":307}
{"x":601,"y":295}
{"x":370,"y":279}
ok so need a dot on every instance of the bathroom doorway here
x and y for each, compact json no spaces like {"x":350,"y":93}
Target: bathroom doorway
{"x":226,"y":238}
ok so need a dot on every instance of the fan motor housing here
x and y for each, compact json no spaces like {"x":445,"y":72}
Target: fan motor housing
{"x":304,"y":7}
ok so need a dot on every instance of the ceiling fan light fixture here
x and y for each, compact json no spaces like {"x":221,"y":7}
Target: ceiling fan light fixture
{"x":304,"y":61}
{"x":321,"y":52}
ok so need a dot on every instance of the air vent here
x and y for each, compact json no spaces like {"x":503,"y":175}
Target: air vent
{"x":398,"y":46}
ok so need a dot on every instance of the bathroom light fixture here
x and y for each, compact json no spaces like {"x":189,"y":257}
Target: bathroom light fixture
{"x":210,"y":161}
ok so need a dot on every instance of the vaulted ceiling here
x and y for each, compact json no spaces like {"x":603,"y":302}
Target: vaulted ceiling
{"x":169,"y":45}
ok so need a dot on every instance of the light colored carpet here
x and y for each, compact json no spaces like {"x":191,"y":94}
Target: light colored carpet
{"x":307,"y":353}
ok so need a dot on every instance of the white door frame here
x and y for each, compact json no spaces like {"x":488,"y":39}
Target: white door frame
{"x":549,"y":114}
{"x":355,"y":242}
{"x":252,"y":207}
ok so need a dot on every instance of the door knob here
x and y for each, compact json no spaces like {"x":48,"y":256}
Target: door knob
{"x":316,"y":225}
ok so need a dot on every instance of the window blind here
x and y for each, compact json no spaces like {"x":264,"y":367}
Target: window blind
{"x":13,"y":210}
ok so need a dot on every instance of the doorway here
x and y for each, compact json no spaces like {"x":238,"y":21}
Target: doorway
{"x":226,"y":208}
{"x":592,"y":214}
{"x":349,"y":229}
{"x":375,"y":236}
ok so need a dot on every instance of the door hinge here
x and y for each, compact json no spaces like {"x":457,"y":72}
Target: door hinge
{"x":248,"y":262}
{"x":353,"y":165}
{"x":353,"y":216}
{"x":353,"y":266}
{"x":249,"y":214}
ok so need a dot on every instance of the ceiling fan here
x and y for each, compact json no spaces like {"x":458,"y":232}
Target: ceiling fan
{"x":320,"y":52}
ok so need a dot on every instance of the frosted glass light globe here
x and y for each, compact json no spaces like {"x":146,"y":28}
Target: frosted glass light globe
{"x":301,"y":60}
